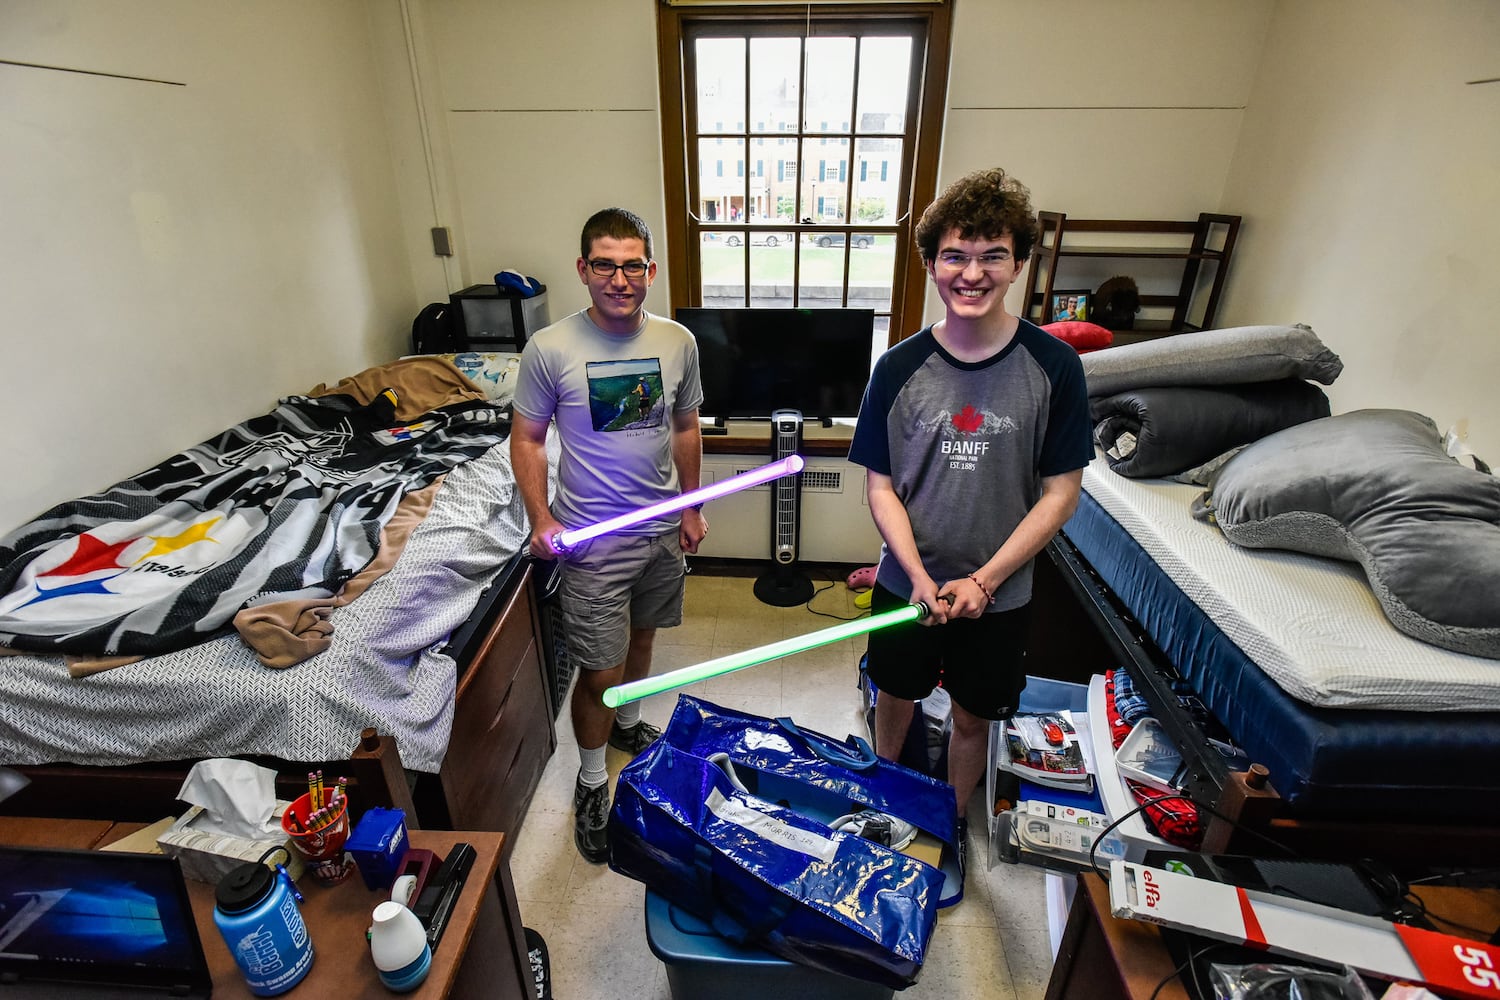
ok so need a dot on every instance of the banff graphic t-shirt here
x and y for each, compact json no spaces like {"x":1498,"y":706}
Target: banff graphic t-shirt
{"x":613,"y":399}
{"x":967,"y":445}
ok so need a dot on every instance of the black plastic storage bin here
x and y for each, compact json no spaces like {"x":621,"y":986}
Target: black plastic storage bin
{"x":489,"y":318}
{"x":701,"y":965}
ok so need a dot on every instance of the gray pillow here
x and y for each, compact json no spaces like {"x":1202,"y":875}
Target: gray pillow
{"x":1176,"y":427}
{"x":1213,"y":357}
{"x":1375,"y":487}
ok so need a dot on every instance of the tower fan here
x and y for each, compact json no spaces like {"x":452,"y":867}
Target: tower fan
{"x":785,"y":585}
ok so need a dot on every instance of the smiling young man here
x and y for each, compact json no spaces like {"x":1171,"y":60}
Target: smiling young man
{"x":623,"y":388}
{"x":974,"y":433}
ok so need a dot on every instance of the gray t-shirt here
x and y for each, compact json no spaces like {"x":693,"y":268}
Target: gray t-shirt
{"x":613,"y":398}
{"x":967,"y":444}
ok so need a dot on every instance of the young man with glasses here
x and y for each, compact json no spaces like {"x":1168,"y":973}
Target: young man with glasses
{"x":623,"y":388}
{"x":974,"y":433}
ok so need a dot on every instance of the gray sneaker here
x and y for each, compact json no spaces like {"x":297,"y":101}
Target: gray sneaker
{"x":591,"y":821}
{"x":635,"y":739}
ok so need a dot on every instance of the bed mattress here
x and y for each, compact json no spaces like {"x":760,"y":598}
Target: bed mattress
{"x":1294,"y":656}
{"x":386,"y":666}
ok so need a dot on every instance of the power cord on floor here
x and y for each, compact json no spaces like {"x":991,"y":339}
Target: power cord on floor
{"x":825,"y":614}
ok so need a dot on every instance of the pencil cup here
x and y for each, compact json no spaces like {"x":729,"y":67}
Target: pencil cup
{"x":320,"y":841}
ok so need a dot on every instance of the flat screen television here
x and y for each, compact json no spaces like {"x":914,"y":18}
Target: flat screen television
{"x":755,"y":361}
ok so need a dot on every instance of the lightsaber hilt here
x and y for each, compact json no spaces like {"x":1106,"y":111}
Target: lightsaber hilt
{"x":622,"y":694}
{"x":789,"y":466}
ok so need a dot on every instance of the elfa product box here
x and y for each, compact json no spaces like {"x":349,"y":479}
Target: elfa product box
{"x":378,"y":844}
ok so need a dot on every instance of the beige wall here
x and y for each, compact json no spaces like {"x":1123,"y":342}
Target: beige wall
{"x":1368,"y":171}
{"x":177,"y":257}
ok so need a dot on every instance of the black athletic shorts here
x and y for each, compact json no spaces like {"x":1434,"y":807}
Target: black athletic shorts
{"x":981,"y":662}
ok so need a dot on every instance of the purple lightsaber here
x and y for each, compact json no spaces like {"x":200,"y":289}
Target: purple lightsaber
{"x":789,"y":466}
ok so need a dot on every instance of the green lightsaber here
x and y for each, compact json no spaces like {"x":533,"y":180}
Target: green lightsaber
{"x":622,"y":694}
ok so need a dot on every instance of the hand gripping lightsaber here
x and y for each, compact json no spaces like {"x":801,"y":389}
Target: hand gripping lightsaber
{"x":622,"y":694}
{"x":789,"y":466}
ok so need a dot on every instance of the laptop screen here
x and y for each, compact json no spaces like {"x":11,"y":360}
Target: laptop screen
{"x":101,"y":918}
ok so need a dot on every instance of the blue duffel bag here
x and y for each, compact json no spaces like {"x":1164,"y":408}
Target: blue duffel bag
{"x":749,"y":847}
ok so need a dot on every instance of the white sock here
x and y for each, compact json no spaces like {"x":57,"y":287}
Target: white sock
{"x":593,"y":773}
{"x":626,"y":716}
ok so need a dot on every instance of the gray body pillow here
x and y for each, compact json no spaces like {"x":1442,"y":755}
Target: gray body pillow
{"x":1375,"y":487}
{"x":1213,"y":357}
{"x":1172,"y":428}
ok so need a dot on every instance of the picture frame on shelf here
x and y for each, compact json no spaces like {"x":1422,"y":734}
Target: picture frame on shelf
{"x":1070,"y":304}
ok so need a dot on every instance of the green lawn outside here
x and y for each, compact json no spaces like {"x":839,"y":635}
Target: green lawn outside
{"x":724,"y":265}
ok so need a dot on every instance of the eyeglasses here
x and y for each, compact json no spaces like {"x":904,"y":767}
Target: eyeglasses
{"x":993,"y":261}
{"x":607,"y":268}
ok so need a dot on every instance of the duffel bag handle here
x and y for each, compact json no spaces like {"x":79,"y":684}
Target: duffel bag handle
{"x":856,"y":753}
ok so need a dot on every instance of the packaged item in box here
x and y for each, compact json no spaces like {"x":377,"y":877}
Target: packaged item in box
{"x":1148,"y":756}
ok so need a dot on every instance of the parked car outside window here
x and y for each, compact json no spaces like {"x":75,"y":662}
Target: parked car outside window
{"x":859,"y":240}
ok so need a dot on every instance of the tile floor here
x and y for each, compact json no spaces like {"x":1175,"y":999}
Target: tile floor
{"x":992,"y":946}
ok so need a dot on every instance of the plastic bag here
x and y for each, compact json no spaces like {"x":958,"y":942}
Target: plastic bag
{"x":1286,"y":982}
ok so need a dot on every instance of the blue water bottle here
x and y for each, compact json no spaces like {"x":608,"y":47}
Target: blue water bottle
{"x":256,"y":911}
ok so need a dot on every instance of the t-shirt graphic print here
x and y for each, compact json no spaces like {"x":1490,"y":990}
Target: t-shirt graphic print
{"x":964,"y":436}
{"x":626,"y":395}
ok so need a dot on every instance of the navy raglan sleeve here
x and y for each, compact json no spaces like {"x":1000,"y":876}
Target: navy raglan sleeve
{"x":1069,"y":441}
{"x":871,"y":446}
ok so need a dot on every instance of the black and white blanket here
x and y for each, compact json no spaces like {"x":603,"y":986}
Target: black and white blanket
{"x":285,"y":505}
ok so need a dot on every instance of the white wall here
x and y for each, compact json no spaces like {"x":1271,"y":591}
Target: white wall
{"x":552,"y":112}
{"x":1368,"y":170}
{"x":177,"y":257}
{"x":1103,"y":109}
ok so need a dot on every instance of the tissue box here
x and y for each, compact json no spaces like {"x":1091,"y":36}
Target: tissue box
{"x":208,"y":857}
{"x":378,"y":844}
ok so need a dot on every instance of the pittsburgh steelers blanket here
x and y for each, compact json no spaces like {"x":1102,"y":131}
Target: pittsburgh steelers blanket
{"x":285,"y":505}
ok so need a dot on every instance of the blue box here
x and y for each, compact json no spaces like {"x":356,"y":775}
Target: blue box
{"x":378,"y":845}
{"x":701,"y":965}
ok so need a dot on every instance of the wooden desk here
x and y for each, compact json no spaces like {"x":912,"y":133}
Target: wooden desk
{"x":485,"y":916}
{"x":753,"y":437}
{"x":1102,"y":958}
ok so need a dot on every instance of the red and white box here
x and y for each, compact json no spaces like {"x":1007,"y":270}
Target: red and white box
{"x":1452,"y":965}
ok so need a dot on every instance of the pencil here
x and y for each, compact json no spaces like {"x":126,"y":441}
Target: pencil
{"x":319,"y":802}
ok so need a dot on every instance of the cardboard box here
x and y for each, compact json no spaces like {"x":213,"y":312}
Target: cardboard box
{"x":1312,"y":931}
{"x":208,"y":857}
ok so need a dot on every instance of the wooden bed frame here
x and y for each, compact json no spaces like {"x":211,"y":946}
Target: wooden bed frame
{"x":502,"y":738}
{"x":1080,"y":628}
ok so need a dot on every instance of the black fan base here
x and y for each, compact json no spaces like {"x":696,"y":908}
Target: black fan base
{"x":783,"y":587}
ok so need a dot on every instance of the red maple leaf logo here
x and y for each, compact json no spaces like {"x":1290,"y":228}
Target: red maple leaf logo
{"x":968,"y":420}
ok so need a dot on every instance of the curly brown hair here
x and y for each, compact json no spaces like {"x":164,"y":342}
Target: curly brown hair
{"x":616,"y":223}
{"x":984,"y":204}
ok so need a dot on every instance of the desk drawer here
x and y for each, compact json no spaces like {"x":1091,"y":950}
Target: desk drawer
{"x":502,"y":727}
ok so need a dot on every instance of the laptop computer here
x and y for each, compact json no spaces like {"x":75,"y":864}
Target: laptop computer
{"x":97,"y":923}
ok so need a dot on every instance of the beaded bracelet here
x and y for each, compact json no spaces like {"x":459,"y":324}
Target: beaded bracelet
{"x":982,"y":589}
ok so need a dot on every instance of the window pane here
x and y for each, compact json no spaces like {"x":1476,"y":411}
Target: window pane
{"x":883,"y":67}
{"x":872,"y":268}
{"x":773,"y":184}
{"x":721,"y":181}
{"x":875,"y":182}
{"x":830,"y":84}
{"x":824,"y":163}
{"x":771,"y":271}
{"x":774,"y":94}
{"x":721,"y":84}
{"x":721,"y":262}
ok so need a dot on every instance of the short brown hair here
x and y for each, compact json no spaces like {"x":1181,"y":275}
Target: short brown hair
{"x":986,"y":203}
{"x":617,"y":223}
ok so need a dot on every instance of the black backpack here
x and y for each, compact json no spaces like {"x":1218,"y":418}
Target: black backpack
{"x":434,"y":332}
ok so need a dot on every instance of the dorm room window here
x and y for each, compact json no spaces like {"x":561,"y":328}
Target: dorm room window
{"x":825,"y":96}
